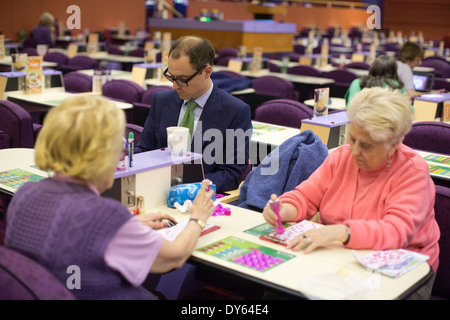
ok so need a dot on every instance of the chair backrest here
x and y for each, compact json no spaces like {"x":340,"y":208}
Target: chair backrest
{"x":17,"y":123}
{"x":283,"y":112}
{"x":113,"y":49}
{"x":429,"y":136}
{"x":22,"y":278}
{"x":225,"y":54}
{"x":358,"y":65}
{"x":30,"y":43}
{"x":5,"y":141}
{"x":230,"y":73}
{"x":58,"y":57}
{"x":293,"y":56}
{"x":139,"y":52}
{"x":441,"y":286}
{"x":136,"y":129}
{"x":305,"y":71}
{"x":441,"y":67}
{"x":441,"y":83}
{"x":147,"y":96}
{"x":30,"y":51}
{"x":273,"y":67}
{"x":77,"y":82}
{"x":341,"y":76}
{"x":83,"y":62}
{"x":124,"y":90}
{"x":274,"y":86}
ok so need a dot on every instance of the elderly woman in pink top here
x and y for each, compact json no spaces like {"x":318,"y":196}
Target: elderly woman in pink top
{"x":373,"y":193}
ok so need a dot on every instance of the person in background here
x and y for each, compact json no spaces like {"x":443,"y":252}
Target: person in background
{"x":190,"y":65}
{"x":44,"y":32}
{"x":63,"y":220}
{"x":387,"y":198}
{"x":382,"y":73}
{"x":410,"y":56}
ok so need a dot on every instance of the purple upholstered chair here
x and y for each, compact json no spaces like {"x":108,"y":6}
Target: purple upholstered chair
{"x":441,"y":288}
{"x":18,"y":124}
{"x":5,"y":141}
{"x":142,"y":108}
{"x":441,"y":83}
{"x":147,"y":96}
{"x":283,"y":112}
{"x":273,"y":67}
{"x":77,"y":82}
{"x":58,"y":57}
{"x":224,"y":55}
{"x":22,"y":278}
{"x":305,"y":71}
{"x":441,"y":67}
{"x":136,"y":129}
{"x":293,"y":56}
{"x":431,"y":136}
{"x":139,"y":52}
{"x":343,"y":78}
{"x":82,"y":62}
{"x":300,"y":49}
{"x":123,"y":90}
{"x":30,"y":51}
{"x":275,"y":86}
{"x":113,"y":49}
{"x":231,"y":74}
{"x":358,"y":65}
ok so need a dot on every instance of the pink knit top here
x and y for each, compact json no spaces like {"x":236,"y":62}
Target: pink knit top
{"x":383,"y":209}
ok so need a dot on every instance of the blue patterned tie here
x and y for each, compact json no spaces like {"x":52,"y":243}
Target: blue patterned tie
{"x":188,"y":120}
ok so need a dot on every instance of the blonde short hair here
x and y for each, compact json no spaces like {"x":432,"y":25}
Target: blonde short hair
{"x":82,"y":138}
{"x":46,"y":20}
{"x":384,"y":113}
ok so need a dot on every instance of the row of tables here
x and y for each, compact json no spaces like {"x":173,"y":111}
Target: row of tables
{"x":298,"y":276}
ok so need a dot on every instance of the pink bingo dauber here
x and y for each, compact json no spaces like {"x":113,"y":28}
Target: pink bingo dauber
{"x":275,"y":205}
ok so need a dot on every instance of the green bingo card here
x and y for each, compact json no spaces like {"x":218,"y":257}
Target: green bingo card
{"x":15,"y":178}
{"x":247,"y":254}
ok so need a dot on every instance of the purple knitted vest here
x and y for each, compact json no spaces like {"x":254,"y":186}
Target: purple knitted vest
{"x":62,"y":224}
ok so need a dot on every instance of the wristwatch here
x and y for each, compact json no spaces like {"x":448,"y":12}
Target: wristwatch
{"x":200,"y":223}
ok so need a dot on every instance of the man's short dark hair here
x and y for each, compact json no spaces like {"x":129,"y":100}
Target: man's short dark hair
{"x":199,"y":50}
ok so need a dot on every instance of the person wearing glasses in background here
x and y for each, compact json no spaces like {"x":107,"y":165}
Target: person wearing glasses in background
{"x":190,"y":65}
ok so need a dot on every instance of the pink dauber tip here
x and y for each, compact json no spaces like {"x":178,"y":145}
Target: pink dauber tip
{"x":275,"y":205}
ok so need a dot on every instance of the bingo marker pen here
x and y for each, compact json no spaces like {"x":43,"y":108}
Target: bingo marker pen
{"x":130,"y":148}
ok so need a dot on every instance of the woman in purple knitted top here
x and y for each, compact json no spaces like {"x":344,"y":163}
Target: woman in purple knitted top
{"x":63,"y":221}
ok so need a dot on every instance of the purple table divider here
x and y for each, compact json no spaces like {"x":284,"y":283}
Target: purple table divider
{"x":154,"y":159}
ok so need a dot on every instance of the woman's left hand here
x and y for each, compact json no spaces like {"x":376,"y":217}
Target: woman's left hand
{"x":315,"y":238}
{"x":156,"y":220}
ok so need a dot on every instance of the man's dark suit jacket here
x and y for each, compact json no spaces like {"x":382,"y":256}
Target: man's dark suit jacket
{"x":223,"y":166}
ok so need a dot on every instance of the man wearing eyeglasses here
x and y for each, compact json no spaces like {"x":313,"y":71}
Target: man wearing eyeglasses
{"x":217,"y":114}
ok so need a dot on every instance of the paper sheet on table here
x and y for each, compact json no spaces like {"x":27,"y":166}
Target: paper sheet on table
{"x":392,"y":263}
{"x":172,"y":233}
{"x":291,"y":232}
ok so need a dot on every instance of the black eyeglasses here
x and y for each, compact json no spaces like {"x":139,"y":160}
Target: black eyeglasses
{"x":181,"y":83}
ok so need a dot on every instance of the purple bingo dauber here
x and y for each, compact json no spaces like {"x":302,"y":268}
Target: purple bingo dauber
{"x":275,"y":205}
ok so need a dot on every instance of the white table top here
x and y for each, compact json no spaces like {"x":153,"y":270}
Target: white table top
{"x":7,"y":60}
{"x":322,"y":269}
{"x":336,"y":103}
{"x":50,"y":98}
{"x":290,"y":77}
{"x":271,"y":134}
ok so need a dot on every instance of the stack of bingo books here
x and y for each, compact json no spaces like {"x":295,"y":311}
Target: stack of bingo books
{"x":291,"y":232}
